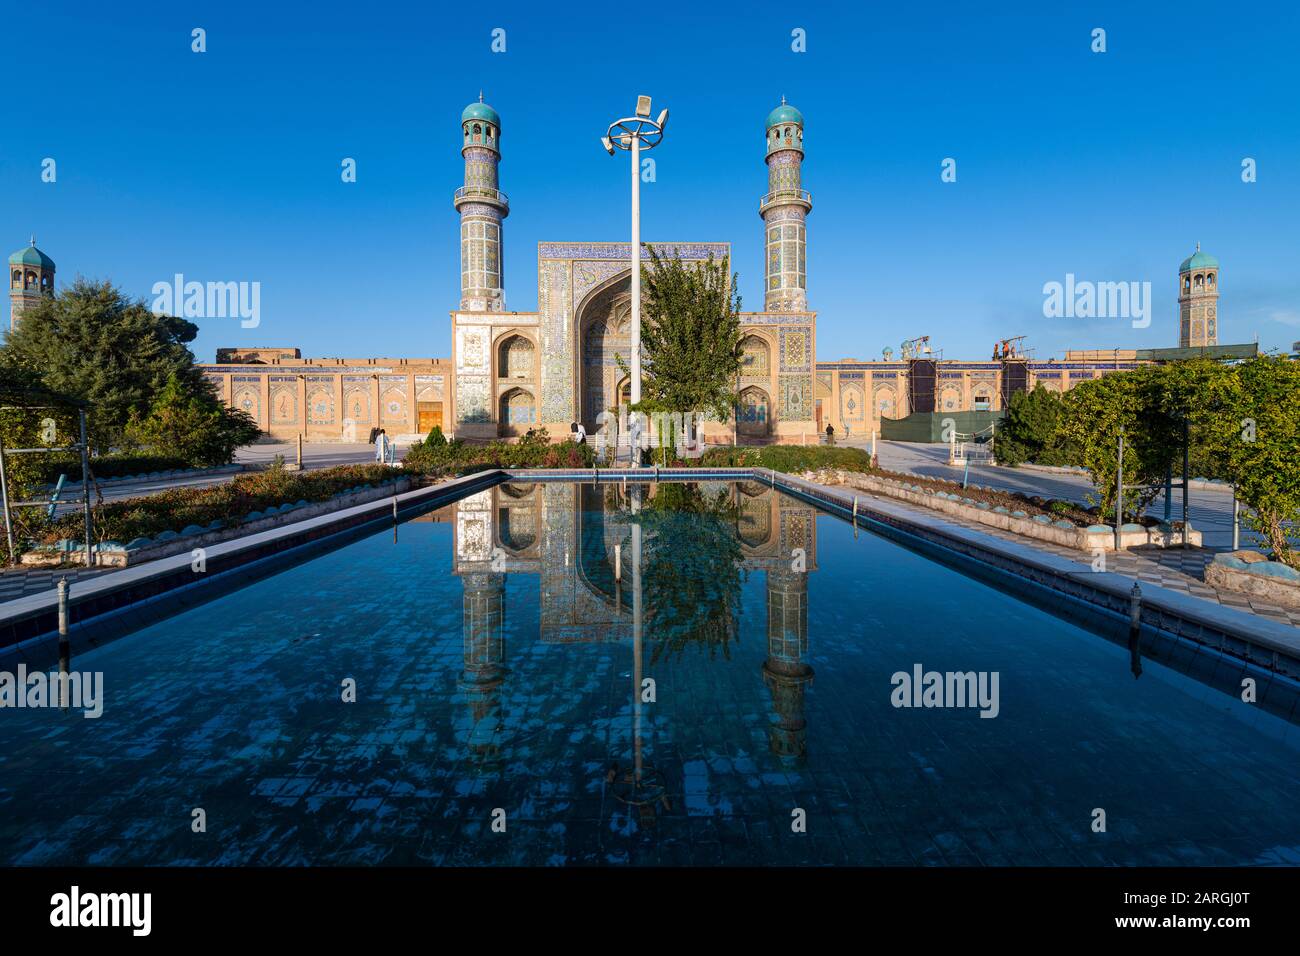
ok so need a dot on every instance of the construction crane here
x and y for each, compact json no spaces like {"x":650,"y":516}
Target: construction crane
{"x":914,"y":348}
{"x":1008,"y":348}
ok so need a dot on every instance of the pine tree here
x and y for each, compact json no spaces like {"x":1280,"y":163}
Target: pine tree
{"x":95,"y":344}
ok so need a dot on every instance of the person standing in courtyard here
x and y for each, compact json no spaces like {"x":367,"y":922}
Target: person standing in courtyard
{"x":381,"y":447}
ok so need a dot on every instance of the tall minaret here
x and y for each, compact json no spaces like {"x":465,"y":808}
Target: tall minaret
{"x":31,"y":275}
{"x":482,"y":207}
{"x":1198,"y":300}
{"x":784,"y":210}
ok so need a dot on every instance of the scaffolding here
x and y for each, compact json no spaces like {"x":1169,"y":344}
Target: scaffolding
{"x":49,"y":402}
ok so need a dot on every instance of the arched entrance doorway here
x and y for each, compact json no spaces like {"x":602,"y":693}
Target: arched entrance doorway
{"x":752,"y":414}
{"x":604,"y":337}
{"x":518,"y":413}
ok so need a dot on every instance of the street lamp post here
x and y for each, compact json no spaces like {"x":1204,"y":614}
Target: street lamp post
{"x":634,"y":133}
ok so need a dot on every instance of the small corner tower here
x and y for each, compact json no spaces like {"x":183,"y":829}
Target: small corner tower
{"x":784,"y":210}
{"x":1198,"y":300}
{"x":482,"y":207}
{"x":31,"y":275}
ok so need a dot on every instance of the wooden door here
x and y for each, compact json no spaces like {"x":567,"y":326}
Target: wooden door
{"x":429,"y":415}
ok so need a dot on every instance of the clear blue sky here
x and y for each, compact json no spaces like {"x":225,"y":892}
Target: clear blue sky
{"x":225,"y":166}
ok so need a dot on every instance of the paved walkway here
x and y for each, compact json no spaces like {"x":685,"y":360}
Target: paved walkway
{"x":20,"y":582}
{"x":314,"y":456}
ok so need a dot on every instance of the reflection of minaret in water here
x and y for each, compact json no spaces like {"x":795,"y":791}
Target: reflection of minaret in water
{"x":786,"y":670}
{"x":483,"y":637}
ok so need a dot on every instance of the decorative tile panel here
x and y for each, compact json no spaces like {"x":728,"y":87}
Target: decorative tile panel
{"x":796,"y":398}
{"x":472,"y":399}
{"x":555,"y":314}
{"x":796,"y":349}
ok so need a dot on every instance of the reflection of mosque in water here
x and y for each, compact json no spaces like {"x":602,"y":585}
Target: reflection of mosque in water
{"x":578,"y":540}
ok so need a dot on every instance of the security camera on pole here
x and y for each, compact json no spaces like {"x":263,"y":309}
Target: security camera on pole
{"x":635,"y":133}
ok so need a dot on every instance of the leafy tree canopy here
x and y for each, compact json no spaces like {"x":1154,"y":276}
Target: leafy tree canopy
{"x":92,"y":342}
{"x":690,"y":336}
{"x":192,"y":424}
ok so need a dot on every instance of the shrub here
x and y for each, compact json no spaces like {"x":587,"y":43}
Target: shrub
{"x":192,"y":424}
{"x":790,"y":459}
{"x":533,"y":450}
{"x":1030,"y":432}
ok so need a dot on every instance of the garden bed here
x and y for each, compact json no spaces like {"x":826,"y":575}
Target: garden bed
{"x":1252,"y":573}
{"x":227,"y":509}
{"x":168,"y":543}
{"x":435,"y":457}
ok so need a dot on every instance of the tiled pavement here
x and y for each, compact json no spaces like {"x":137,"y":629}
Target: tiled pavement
{"x":20,"y":582}
{"x":1173,"y":568}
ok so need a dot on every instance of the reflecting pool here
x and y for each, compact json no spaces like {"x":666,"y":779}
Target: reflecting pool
{"x":710,"y":674}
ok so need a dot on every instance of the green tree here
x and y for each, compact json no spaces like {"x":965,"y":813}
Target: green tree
{"x":191,"y":424}
{"x":93,"y":343}
{"x":690,"y":336}
{"x":1248,"y":418}
{"x":1030,"y":428}
{"x":1093,"y":415}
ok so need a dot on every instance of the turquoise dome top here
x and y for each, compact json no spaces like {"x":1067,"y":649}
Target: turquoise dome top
{"x":481,"y":111}
{"x":1199,"y":260}
{"x":31,"y":256}
{"x":785,"y":113}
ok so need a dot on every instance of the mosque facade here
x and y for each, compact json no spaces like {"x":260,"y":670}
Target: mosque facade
{"x":512,"y":371}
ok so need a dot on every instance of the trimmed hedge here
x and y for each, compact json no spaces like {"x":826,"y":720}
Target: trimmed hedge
{"x":791,"y":459}
{"x":532,"y":451}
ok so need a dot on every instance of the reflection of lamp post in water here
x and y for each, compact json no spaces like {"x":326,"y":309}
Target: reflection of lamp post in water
{"x":639,"y":785}
{"x":633,"y":133}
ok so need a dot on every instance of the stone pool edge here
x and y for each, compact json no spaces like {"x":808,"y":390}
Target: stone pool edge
{"x":1259,"y":641}
{"x":1248,"y":637}
{"x":35,"y":616}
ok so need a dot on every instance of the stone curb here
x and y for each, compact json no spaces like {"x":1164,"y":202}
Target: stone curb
{"x":1274,"y":590}
{"x":1079,"y":539}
